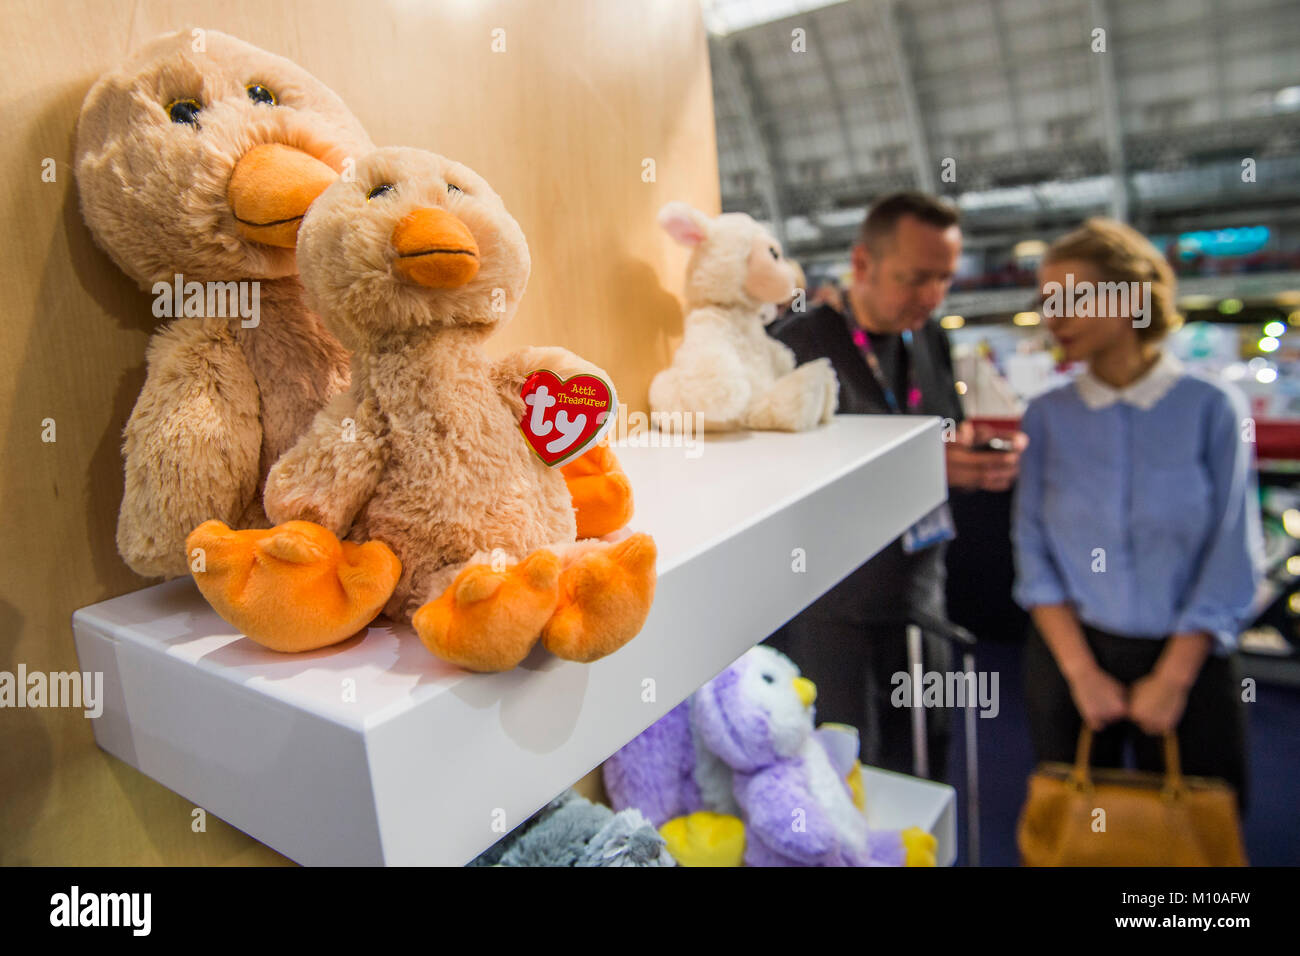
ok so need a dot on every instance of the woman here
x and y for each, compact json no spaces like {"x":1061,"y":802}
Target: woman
{"x":1136,"y":525}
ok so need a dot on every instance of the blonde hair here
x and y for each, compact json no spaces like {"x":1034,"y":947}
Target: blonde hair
{"x":1122,"y":254}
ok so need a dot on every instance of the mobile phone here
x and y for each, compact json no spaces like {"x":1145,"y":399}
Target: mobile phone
{"x":996,"y":445}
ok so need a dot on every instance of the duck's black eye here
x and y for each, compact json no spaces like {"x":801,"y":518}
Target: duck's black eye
{"x":260,"y":94}
{"x":775,"y":254}
{"x":769,"y":679}
{"x":453,"y":188}
{"x":184,"y":111}
{"x":380,"y":190}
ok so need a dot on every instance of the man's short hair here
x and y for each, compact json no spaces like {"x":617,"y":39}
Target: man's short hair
{"x":882,"y":218}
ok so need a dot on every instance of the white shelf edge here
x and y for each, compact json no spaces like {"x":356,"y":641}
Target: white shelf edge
{"x":511,"y":741}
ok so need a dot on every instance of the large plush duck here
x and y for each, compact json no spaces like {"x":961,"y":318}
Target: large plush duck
{"x":198,"y":157}
{"x":413,"y":264}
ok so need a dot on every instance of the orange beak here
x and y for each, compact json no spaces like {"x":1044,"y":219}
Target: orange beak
{"x":270,"y":190}
{"x":435,"y":249}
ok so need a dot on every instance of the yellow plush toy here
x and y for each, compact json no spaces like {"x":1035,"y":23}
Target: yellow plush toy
{"x":413,"y":264}
{"x":705,"y":838}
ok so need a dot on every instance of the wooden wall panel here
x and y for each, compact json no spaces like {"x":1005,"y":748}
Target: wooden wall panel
{"x":560,"y":123}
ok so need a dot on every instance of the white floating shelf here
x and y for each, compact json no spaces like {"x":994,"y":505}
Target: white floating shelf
{"x":375,"y":752}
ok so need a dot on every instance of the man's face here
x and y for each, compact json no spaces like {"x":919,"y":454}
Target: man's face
{"x":900,"y":288}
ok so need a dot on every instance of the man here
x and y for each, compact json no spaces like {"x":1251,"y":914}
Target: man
{"x":891,"y":357}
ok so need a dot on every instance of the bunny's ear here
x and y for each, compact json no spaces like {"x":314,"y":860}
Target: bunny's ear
{"x":684,"y":223}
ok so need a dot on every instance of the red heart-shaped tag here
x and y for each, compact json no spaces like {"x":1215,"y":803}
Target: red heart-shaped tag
{"x":565,"y":417}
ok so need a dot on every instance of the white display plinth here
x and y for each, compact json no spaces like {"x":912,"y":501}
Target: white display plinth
{"x":896,"y":801}
{"x":374,"y":752}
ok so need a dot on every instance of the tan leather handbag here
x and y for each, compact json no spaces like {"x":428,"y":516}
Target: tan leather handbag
{"x":1077,"y":816}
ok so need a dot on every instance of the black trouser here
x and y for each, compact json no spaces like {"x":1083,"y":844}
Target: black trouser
{"x":1211,"y":734}
{"x":853,"y":666}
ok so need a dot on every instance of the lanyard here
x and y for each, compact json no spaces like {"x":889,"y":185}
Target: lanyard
{"x":863,"y":342}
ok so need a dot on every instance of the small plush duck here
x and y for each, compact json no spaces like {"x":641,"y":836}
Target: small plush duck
{"x":414,"y":263}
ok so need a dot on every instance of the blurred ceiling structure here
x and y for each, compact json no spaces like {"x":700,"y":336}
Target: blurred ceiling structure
{"x":1030,"y":114}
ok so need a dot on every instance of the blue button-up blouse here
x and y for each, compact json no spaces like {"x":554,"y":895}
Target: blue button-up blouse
{"x":1139,"y":507}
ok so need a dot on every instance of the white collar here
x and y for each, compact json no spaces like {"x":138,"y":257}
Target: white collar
{"x":1143,"y":394}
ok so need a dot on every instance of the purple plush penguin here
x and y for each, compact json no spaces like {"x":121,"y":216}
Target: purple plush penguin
{"x":667,"y":773}
{"x":743,"y":746}
{"x":757,"y":717}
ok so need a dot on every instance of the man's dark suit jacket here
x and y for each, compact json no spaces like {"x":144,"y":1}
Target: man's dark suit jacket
{"x":892,"y":584}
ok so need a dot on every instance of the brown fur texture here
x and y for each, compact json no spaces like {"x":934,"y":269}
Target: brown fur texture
{"x":153,"y":192}
{"x":424,"y":453}
{"x":220,"y":402}
{"x":298,"y":367}
{"x":438,"y":469}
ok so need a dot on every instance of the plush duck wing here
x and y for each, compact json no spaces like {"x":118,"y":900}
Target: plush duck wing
{"x":191,"y":446}
{"x":332,"y":470}
{"x":601,"y":493}
{"x":509,"y":372}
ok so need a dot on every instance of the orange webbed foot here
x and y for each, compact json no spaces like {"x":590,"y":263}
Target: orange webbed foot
{"x":604,"y":598}
{"x":294,"y":587}
{"x":489,"y":620}
{"x":601,"y":493}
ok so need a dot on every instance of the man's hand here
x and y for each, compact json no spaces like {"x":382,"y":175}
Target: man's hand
{"x":982,"y":470}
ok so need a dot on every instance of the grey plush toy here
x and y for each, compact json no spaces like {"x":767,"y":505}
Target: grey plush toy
{"x":573,"y":831}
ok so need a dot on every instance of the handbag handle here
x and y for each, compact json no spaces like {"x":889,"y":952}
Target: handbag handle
{"x":1081,"y":776}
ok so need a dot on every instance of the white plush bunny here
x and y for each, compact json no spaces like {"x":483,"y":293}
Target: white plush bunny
{"x":728,"y":369}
